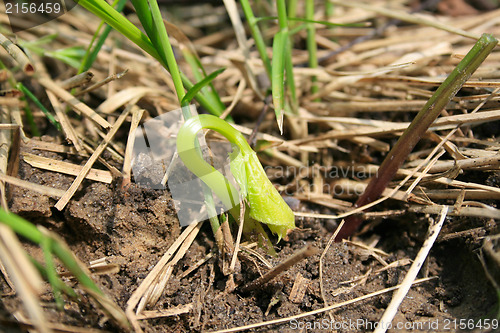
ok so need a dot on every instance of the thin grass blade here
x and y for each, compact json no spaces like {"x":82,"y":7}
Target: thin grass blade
{"x":198,"y":86}
{"x":93,"y":50}
{"x":108,"y":14}
{"x":257,"y":35}
{"x":277,"y":78}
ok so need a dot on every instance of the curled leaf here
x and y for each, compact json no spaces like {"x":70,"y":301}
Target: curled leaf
{"x":264,"y":202}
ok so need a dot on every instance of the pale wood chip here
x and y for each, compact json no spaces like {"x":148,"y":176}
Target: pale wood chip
{"x":67,"y":168}
{"x":175,"y":311}
{"x":299,"y":289}
{"x":42,"y":189}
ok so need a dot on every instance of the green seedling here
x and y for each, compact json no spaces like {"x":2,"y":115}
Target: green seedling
{"x":263,"y":202}
{"x":155,"y":42}
{"x":281,"y":60}
{"x":280,"y":69}
{"x":423,"y":120}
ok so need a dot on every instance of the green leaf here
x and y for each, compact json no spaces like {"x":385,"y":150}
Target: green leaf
{"x":94,"y":49}
{"x":265,"y":203}
{"x":198,"y":86}
{"x":238,"y":170}
{"x":35,"y":100}
{"x":277,"y":77}
{"x":72,"y":55}
{"x":121,"y":24}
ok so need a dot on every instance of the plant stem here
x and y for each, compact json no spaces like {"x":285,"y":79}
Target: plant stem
{"x":292,"y":8}
{"x":165,"y":49}
{"x":411,"y":136}
{"x":311,"y":43}
{"x":257,"y":35}
{"x":92,"y":53}
{"x":193,"y":159}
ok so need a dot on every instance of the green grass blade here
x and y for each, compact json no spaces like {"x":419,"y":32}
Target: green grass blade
{"x":108,"y":14}
{"x":51,"y":272}
{"x":282,"y":61}
{"x":257,"y":35}
{"x":277,"y":78}
{"x":305,"y":20}
{"x":35,"y":100}
{"x":311,"y":43}
{"x":208,"y":91}
{"x":31,"y":120}
{"x":32,"y":233}
{"x":72,"y":56}
{"x":292,"y":8}
{"x":204,"y":102}
{"x":144,"y":14}
{"x":198,"y":86}
{"x":329,"y":9}
{"x":59,"y":283}
{"x":93,"y":50}
{"x":290,"y":77}
{"x":21,"y":227}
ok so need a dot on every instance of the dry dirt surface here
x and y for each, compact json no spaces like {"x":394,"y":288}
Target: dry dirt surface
{"x":131,"y":228}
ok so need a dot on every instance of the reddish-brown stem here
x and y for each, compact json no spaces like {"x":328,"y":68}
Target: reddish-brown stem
{"x":431,"y":110}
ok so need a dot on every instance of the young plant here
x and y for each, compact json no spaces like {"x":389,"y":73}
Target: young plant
{"x":155,"y":42}
{"x":411,"y":136}
{"x":263,"y":202}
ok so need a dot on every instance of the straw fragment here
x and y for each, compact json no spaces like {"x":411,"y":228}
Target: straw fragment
{"x":76,"y":104}
{"x":85,"y":170}
{"x":17,"y":54}
{"x":66,"y":168}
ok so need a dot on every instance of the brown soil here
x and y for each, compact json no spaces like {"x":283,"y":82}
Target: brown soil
{"x":133,"y":228}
